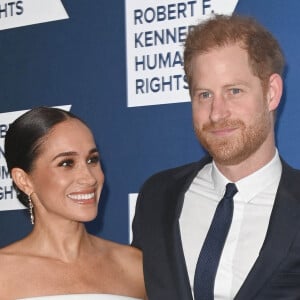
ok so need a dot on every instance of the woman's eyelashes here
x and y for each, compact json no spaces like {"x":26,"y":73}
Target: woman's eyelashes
{"x":70,"y":162}
{"x":93,"y":159}
{"x":66,"y":163}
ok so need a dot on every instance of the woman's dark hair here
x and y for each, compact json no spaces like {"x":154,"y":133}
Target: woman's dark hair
{"x":25,"y":136}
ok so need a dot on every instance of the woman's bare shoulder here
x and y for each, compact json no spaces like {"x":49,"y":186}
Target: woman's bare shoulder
{"x":11,"y":254}
{"x":11,"y":262}
{"x":129,"y":262}
{"x":10,"y":250}
{"x":127,"y":257}
{"x":13,"y":250}
{"x":117,"y":249}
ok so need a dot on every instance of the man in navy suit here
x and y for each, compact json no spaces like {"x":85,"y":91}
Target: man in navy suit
{"x":234,"y":69}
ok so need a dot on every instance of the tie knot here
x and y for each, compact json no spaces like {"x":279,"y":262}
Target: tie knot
{"x":231,"y":190}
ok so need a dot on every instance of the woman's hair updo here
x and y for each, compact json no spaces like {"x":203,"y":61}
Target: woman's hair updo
{"x":25,"y":136}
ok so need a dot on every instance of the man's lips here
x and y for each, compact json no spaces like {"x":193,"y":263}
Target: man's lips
{"x":222,"y":131}
{"x":223,"y":128}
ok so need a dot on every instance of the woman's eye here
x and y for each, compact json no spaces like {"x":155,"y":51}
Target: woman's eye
{"x":93,"y":160}
{"x":66,"y":163}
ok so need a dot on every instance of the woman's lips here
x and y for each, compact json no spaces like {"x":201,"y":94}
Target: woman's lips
{"x":83,"y":197}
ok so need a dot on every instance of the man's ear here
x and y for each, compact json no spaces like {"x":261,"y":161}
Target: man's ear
{"x":274,"y":91}
{"x":22,"y":180}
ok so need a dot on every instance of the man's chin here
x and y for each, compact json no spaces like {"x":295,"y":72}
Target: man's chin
{"x":229,"y":158}
{"x":225,"y":161}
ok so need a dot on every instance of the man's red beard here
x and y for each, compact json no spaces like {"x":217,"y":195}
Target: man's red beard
{"x":234,"y":148}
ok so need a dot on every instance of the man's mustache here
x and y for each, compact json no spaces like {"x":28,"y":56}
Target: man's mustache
{"x":209,"y":126}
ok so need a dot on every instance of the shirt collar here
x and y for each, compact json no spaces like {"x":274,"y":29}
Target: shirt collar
{"x":249,"y":186}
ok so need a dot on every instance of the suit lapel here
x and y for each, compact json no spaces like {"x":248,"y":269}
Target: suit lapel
{"x":177,"y":193}
{"x":283,"y":226}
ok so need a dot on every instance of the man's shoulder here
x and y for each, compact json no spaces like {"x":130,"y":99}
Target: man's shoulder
{"x":288,"y":169}
{"x":176,"y":173}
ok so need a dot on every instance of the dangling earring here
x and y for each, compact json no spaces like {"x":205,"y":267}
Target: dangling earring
{"x":31,"y":209}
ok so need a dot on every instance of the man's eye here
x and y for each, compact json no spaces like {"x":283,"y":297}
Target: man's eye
{"x":66,"y":163}
{"x":93,"y":160}
{"x":205,"y":95}
{"x":235,"y":91}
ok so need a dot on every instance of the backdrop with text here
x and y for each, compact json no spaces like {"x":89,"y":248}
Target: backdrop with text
{"x":118,"y":65}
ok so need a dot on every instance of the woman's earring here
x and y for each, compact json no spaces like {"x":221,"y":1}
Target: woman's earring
{"x":31,"y":209}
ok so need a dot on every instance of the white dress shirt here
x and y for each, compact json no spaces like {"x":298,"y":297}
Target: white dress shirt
{"x":252,"y":209}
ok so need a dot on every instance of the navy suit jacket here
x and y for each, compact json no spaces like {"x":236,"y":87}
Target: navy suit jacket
{"x":274,"y":275}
